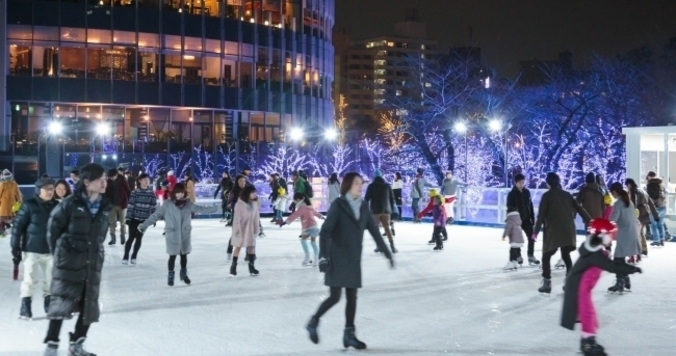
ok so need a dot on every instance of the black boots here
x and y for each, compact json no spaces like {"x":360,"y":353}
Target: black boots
{"x":546,"y":287}
{"x":312,"y":329}
{"x":25,"y":312}
{"x":47,"y":299}
{"x":439,"y":243}
{"x":252,"y":270}
{"x":184,"y":276}
{"x":233,"y":267}
{"x":627,"y":284}
{"x":618,"y":287}
{"x":589,"y":347}
{"x":76,"y":347}
{"x":394,"y":250}
{"x":349,"y":339}
{"x":170,"y":278}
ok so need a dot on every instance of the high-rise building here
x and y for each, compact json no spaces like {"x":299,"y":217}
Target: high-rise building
{"x":126,"y":80}
{"x":536,"y":71}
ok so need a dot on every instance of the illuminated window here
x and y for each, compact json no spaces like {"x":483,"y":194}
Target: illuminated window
{"x":398,"y":93}
{"x":390,"y":44}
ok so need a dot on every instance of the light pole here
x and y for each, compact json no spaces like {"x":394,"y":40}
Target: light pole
{"x":461,"y":128}
{"x":54,"y":128}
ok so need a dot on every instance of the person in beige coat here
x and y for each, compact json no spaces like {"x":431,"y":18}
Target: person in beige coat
{"x":513,"y":231}
{"x":245,"y":228}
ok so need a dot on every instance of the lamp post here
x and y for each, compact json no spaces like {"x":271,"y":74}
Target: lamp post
{"x":461,"y":128}
{"x":54,"y":128}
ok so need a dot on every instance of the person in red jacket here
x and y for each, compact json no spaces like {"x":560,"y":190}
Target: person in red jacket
{"x":118,"y":192}
{"x":436,"y":206}
{"x":171,"y":178}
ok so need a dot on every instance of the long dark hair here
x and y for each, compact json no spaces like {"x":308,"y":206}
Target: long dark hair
{"x":65,"y":184}
{"x":347,"y":182}
{"x":334,"y":178}
{"x":245,"y":194}
{"x":397,"y":176}
{"x":178,"y":188}
{"x":618,"y":189}
{"x":303,"y":197}
{"x":631,"y":184}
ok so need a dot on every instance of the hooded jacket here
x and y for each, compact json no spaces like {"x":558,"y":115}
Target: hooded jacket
{"x":590,"y":198}
{"x":513,"y":228}
{"x":656,"y":192}
{"x":380,"y":196}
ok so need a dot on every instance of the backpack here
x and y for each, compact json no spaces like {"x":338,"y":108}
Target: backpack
{"x":308,"y":189}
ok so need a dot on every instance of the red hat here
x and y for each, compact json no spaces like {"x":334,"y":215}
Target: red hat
{"x":603,"y":228}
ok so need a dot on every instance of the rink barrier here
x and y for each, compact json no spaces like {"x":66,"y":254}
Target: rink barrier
{"x":475,"y":206}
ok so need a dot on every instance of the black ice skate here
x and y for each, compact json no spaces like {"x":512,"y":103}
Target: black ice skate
{"x":627,"y":284}
{"x":312,"y":329}
{"x":25,"y":313}
{"x":233,"y":267}
{"x":46,"y":304}
{"x":76,"y":347}
{"x":519,"y":260}
{"x":349,"y":339}
{"x":546,"y":287}
{"x":170,"y":279}
{"x":618,"y":287}
{"x":438,"y":247}
{"x":183,"y":275}
{"x":252,"y":270}
{"x":432,"y":241}
{"x":589,"y":347}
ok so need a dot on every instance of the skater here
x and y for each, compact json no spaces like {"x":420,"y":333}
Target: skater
{"x":627,"y":239}
{"x":279,"y":204}
{"x":277,"y":185}
{"x":224,"y":187}
{"x":307,"y":215}
{"x":557,"y":214}
{"x":656,"y":193}
{"x":171,"y":179}
{"x":520,"y":198}
{"x":380,"y":198}
{"x":62,"y":190}
{"x":142,"y":204}
{"x":341,"y":239}
{"x":118,"y":193}
{"x":513,"y":231}
{"x":449,"y":186}
{"x":645,"y":207}
{"x":74,"y":179}
{"x":189,"y":183}
{"x":577,"y":301}
{"x":417,"y":188}
{"x":436,"y":206}
{"x":333,"y":188}
{"x":177,"y":213}
{"x":76,"y":231}
{"x":132,"y":181}
{"x":590,"y":197}
{"x":240,"y":184}
{"x":10,"y":200}
{"x":245,"y":225}
{"x":397,"y":189}
{"x":29,"y":237}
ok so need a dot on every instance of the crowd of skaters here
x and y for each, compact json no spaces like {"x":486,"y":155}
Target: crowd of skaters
{"x":101,"y":201}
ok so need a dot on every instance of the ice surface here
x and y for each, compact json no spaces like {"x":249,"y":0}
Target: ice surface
{"x":458,"y":301}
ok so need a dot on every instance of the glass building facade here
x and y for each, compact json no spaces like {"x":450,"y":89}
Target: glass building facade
{"x":138,"y":82}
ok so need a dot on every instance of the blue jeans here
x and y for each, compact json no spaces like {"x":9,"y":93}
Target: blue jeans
{"x":657,"y":226}
{"x":416,"y":209}
{"x":278,"y":214}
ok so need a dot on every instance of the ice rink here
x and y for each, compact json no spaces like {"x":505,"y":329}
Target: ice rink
{"x":458,"y":301}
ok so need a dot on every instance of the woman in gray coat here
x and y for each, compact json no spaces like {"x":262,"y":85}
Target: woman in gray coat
{"x":627,"y":237}
{"x":340,"y":247}
{"x":177,"y":213}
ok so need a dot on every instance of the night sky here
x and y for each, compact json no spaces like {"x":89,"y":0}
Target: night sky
{"x":509,"y":31}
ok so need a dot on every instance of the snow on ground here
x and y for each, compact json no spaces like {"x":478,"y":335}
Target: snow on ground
{"x":457,"y":301}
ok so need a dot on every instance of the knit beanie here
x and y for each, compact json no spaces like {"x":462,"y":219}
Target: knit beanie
{"x":377,"y":173}
{"x":433,"y":193}
{"x":43,"y":182}
{"x":6,"y":175}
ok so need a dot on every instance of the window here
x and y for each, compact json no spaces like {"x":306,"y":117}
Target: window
{"x":213,"y":46}
{"x":44,"y":33}
{"x":192,"y":44}
{"x":19,"y":32}
{"x":355,"y":56}
{"x":123,"y":63}
{"x":355,"y":86}
{"x":98,"y":36}
{"x":46,"y":60}
{"x":147,"y":66}
{"x":192,"y":69}
{"x":20,"y":60}
{"x":172,"y":42}
{"x":172,"y":68}
{"x":354,"y":66}
{"x":355,"y":96}
{"x":72,"y":34}
{"x":124,"y":37}
{"x":72,"y":62}
{"x":149,"y":40}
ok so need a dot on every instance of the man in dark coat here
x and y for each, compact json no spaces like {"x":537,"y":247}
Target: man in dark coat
{"x":590,"y":197}
{"x":76,"y":231}
{"x":380,"y":197}
{"x":557,"y":214}
{"x":520,"y":198}
{"x":29,"y":238}
{"x":118,"y":193}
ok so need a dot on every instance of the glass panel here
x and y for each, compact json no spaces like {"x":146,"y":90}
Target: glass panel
{"x":247,"y":50}
{"x":45,"y":33}
{"x":246,"y":70}
{"x":98,"y":36}
{"x":233,"y":9}
{"x":172,"y":68}
{"x":149,"y":40}
{"x":124,"y":37}
{"x":158,"y":130}
{"x":72,"y":62}
{"x":20,"y":59}
{"x":212,"y":71}
{"x":180,"y":132}
{"x":21,"y":32}
{"x":202,"y":130}
{"x":213,"y":8}
{"x":193,"y":44}
{"x":172,"y":42}
{"x":45,"y":61}
{"x":231,"y":48}
{"x":192,"y":69}
{"x":213,"y":46}
{"x":99,"y":63}
{"x":229,"y":73}
{"x":147,"y":67}
{"x":72,"y":34}
{"x":123,"y":60}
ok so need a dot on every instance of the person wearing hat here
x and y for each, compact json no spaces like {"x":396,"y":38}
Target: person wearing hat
{"x":29,"y":243}
{"x":436,"y":206}
{"x":10,"y":198}
{"x":380,"y":198}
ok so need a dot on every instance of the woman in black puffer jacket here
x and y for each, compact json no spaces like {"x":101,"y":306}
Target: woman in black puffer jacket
{"x":76,"y":231}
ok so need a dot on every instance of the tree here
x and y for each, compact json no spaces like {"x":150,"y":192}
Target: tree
{"x":284,"y":160}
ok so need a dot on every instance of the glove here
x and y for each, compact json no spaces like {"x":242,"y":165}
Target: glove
{"x":323,"y":265}
{"x":534,"y":237}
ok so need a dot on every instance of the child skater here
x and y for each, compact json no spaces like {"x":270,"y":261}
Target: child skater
{"x":177,"y":213}
{"x":280,"y":205}
{"x":142,"y":204}
{"x":307,"y":215}
{"x":513,"y":231}
{"x":436,"y":206}
{"x":577,"y":303}
{"x":245,"y":227}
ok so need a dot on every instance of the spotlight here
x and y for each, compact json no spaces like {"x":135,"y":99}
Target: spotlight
{"x":102,"y":129}
{"x":495,"y":125}
{"x":460,"y":127}
{"x":297,"y":134}
{"x":330,"y":134}
{"x":55,"y":128}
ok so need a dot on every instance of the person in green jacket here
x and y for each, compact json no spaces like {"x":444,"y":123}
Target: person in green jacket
{"x":298,"y":182}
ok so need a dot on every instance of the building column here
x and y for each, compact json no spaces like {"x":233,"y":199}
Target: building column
{"x":633,"y":155}
{"x":5,"y":109}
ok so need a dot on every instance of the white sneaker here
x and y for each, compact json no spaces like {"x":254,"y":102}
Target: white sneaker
{"x":307,"y":261}
{"x":125,"y":262}
{"x":315,"y":263}
{"x":511,"y":266}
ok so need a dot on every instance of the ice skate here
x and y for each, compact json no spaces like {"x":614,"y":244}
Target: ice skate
{"x":125,"y":262}
{"x":532,"y":261}
{"x":392,"y":248}
{"x":589,"y":347}
{"x":627,"y":284}
{"x":133,"y":262}
{"x":349,"y":339}
{"x":233,"y":267}
{"x":511,"y":266}
{"x":25,"y":313}
{"x":519,"y":260}
{"x":252,"y":269}
{"x":560,"y":265}
{"x":315,"y":262}
{"x":307,"y":261}
{"x":432,"y":241}
{"x":546,"y":288}
{"x":170,"y":279}
{"x":112,"y":242}
{"x":46,"y":302}
{"x":618,"y":287}
{"x":76,"y":347}
{"x":438,"y":247}
{"x":662,"y":243}
{"x":312,"y":329}
{"x":52,"y":348}
{"x":183,"y":275}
